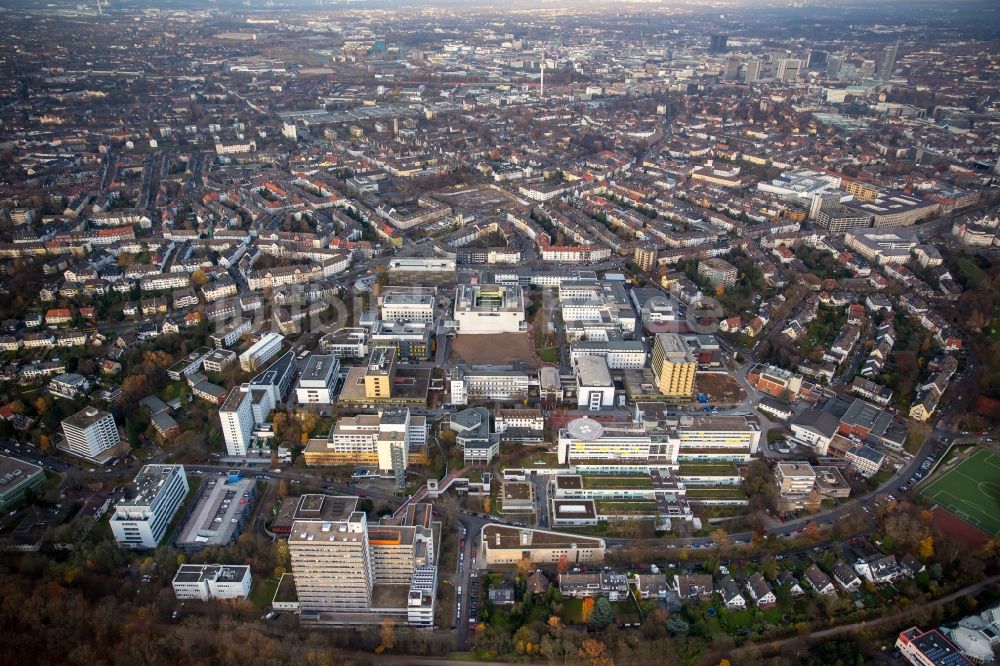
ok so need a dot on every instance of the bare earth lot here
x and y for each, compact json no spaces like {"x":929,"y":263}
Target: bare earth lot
{"x":499,"y":349}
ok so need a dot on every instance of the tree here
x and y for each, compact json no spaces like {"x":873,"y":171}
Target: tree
{"x":812,"y":532}
{"x":678,"y":625}
{"x":524,"y":566}
{"x":769,"y":567}
{"x":43,"y":442}
{"x":387,"y":633}
{"x":282,"y":489}
{"x":595,"y":652}
{"x":486,"y":505}
{"x":562,"y":566}
{"x":198,"y":278}
{"x":926,"y":548}
{"x":721,"y":539}
{"x":587,"y":609}
{"x":555,"y":624}
{"x":603,"y":615}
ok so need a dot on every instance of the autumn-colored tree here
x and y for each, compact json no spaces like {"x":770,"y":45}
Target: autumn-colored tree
{"x":587,"y":609}
{"x":198,"y":278}
{"x":42,"y":405}
{"x":812,"y":532}
{"x":524,"y":566}
{"x":721,"y":539}
{"x":134,"y":389}
{"x":554,"y":623}
{"x":43,"y":442}
{"x":724,"y":662}
{"x":387,"y":634}
{"x":486,"y":505}
{"x":283,"y":488}
{"x":926,"y":548}
{"x":595,"y":652}
{"x":562,"y":566}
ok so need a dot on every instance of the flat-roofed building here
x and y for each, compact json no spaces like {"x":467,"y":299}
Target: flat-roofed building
{"x":387,"y":440}
{"x":90,"y":432}
{"x":140,"y":520}
{"x":865,"y":460}
{"x":347,"y":571}
{"x":586,"y":441}
{"x":718,"y":272}
{"x":231,"y":332}
{"x":261,"y":352}
{"x":218,"y":360}
{"x":503,"y":544}
{"x":795,"y":478}
{"x":318,"y":379}
{"x":489,"y":309}
{"x":594,"y":388}
{"x":236,"y":416}
{"x":411,"y":340}
{"x":494,"y":383}
{"x":472,"y":434}
{"x":379,"y":373}
{"x":619,"y":354}
{"x":408,"y":307}
{"x":16,"y":477}
{"x":346,"y":343}
{"x":674,"y":366}
{"x":212,"y":581}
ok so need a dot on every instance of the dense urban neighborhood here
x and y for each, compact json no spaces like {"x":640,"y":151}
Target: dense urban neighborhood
{"x":576,"y":332}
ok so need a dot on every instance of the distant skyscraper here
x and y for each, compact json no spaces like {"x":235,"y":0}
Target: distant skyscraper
{"x":867,"y":70}
{"x":833,"y":65}
{"x":753,"y":71}
{"x":732,"y":71}
{"x":817,"y":59}
{"x":718,"y":44}
{"x":788,"y":70}
{"x":883,"y":71}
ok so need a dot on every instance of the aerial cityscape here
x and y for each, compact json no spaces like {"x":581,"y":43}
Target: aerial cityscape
{"x":375,"y":332}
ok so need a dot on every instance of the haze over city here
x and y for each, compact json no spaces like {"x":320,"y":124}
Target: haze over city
{"x":472,"y":332}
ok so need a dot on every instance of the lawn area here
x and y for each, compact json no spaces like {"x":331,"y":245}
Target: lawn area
{"x":716,"y":493}
{"x":263,"y":592}
{"x":548,"y":354}
{"x":707,"y":469}
{"x":608,"y":482}
{"x":572,"y":612}
{"x":970,"y":490}
{"x":974,"y":275}
{"x":531,"y":459}
{"x":624,"y":508}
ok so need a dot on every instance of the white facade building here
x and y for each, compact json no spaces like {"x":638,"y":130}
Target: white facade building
{"x":489,"y":309}
{"x":594,"y":388}
{"x":236,"y":415}
{"x":90,"y":432}
{"x":212,"y":581}
{"x":261,"y":352}
{"x":140,"y":521}
{"x":317,"y":381}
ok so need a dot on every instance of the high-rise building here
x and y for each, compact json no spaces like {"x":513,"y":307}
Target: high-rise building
{"x":886,"y":63}
{"x":140,"y":519}
{"x":317,"y":380}
{"x":732,"y":69}
{"x":236,"y":415}
{"x":752,"y":71}
{"x":817,"y":59}
{"x":342,"y":564}
{"x":788,"y":70}
{"x":867,"y":70}
{"x":90,"y":432}
{"x":380,"y":372}
{"x":718,"y":43}
{"x":673,"y":366}
{"x":833,"y":65}
{"x":645,"y":258}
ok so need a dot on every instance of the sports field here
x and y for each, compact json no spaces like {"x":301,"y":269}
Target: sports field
{"x":971,"y":491}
